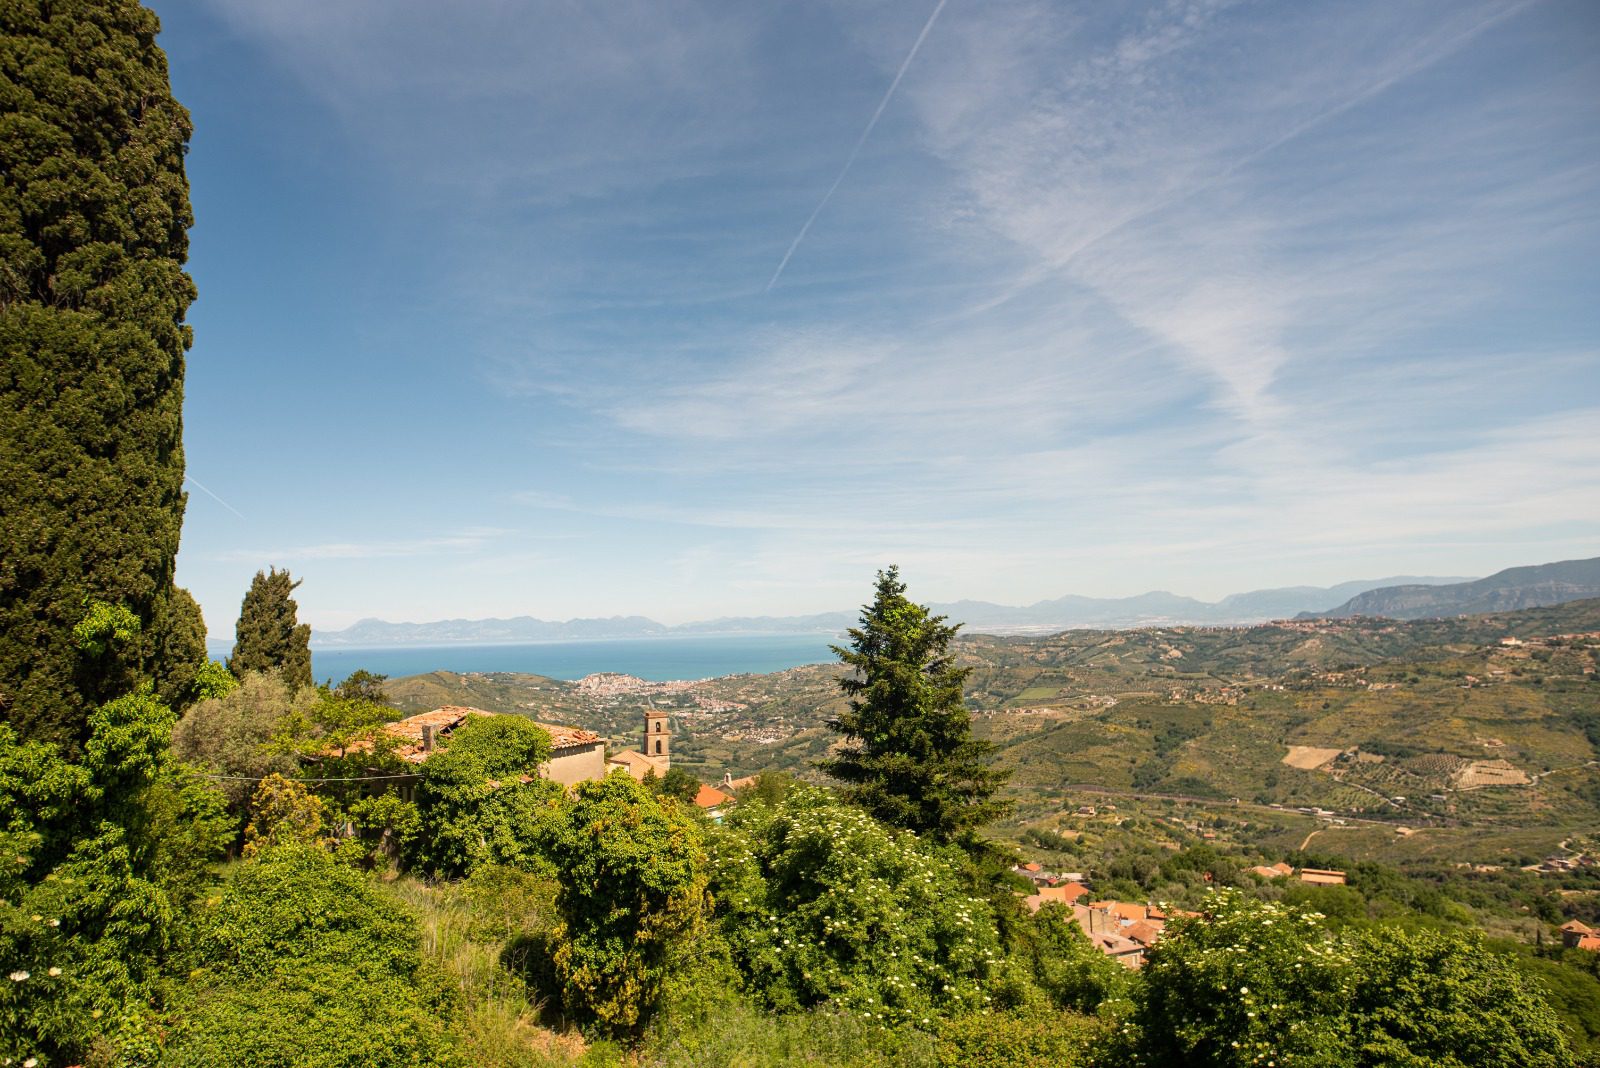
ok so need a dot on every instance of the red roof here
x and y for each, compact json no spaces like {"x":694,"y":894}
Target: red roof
{"x":444,"y":720}
{"x":1590,"y":942}
{"x":710,"y":797}
{"x":1033,"y":865}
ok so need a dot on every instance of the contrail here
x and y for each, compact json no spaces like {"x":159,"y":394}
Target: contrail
{"x":213,"y":496}
{"x":901,"y":73}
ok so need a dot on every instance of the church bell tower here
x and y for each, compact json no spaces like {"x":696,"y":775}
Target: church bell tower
{"x":658,"y":738}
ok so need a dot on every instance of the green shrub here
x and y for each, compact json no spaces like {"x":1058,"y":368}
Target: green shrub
{"x":304,"y":962}
{"x":475,"y":807}
{"x":1255,"y":982}
{"x":633,"y":888}
{"x":740,"y":1035}
{"x":1066,"y":966}
{"x":1015,"y":1040}
{"x":823,"y":905}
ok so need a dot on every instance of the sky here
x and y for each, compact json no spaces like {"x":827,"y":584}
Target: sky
{"x":694,"y":309}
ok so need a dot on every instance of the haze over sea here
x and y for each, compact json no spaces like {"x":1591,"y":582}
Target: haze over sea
{"x":658,"y":659}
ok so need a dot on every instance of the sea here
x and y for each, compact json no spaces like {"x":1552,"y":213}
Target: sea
{"x":657,"y":659}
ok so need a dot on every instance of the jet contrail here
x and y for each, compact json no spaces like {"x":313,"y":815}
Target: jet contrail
{"x":901,"y":73}
{"x":213,"y":496}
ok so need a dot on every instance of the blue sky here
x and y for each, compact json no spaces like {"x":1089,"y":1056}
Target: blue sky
{"x":1202,"y":296}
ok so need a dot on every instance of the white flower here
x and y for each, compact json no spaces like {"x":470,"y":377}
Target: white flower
{"x":55,"y":971}
{"x":18,"y":976}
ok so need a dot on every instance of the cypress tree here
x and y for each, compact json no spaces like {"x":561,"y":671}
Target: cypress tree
{"x":268,"y":638}
{"x":909,"y":757}
{"x":94,"y":214}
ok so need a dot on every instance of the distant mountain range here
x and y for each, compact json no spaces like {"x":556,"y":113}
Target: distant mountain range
{"x":1505,"y":591}
{"x":1062,"y":613}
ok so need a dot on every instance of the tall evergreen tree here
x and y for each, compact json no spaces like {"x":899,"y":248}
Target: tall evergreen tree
{"x":268,"y":637}
{"x":909,"y":756}
{"x":94,"y":214}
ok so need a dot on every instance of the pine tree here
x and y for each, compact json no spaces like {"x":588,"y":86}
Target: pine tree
{"x":268,"y":637}
{"x":909,"y":756}
{"x":94,"y":214}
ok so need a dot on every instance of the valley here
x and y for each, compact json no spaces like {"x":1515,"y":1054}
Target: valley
{"x":1473,"y":737}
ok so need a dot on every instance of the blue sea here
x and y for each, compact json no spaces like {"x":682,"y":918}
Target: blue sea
{"x":658,"y":659}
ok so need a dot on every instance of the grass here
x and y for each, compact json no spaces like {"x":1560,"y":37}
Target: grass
{"x":470,"y":932}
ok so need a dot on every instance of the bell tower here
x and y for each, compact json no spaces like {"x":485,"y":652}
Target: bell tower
{"x":658,"y":737}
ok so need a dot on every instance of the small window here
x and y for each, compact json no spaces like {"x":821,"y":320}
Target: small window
{"x":658,"y":747}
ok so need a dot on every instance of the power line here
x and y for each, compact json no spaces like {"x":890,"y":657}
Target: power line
{"x":348,"y":778}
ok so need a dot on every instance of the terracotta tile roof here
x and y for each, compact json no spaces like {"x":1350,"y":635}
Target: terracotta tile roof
{"x":408,"y":731}
{"x":1067,"y":894}
{"x":1578,"y":926}
{"x":1143,"y":933}
{"x":1590,"y":942}
{"x":1122,"y":910}
{"x":1322,"y":876}
{"x":710,"y":797}
{"x":1124,"y":950}
{"x":568,"y":737}
{"x":1033,"y":865}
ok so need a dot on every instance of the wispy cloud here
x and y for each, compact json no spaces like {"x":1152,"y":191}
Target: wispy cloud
{"x":466,"y":542}
{"x":1199,"y":294}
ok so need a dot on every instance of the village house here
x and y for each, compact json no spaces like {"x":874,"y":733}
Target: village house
{"x":1065,"y":894}
{"x":575,"y":754}
{"x":1578,"y":935}
{"x":1122,"y":930}
{"x":712,"y":801}
{"x":1322,"y":877}
{"x":1279,"y":870}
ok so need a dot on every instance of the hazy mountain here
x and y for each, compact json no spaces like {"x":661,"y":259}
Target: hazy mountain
{"x":1061,"y":613}
{"x":1505,"y":591}
{"x":378,"y":632}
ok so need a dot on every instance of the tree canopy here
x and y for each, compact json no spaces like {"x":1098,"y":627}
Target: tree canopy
{"x":94,"y":218}
{"x":909,"y":757}
{"x":269,"y":637}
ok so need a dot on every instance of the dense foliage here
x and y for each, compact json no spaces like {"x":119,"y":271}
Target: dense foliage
{"x":303,"y":963}
{"x":481,"y":800}
{"x":633,"y":891}
{"x":94,"y":213}
{"x":269,"y":636}
{"x":910,"y":758}
{"x":822,"y":904}
{"x":1257,"y":982}
{"x":104,"y":858}
{"x":232,"y":734}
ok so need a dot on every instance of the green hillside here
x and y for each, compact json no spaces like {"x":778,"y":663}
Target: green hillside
{"x":1476,"y":736}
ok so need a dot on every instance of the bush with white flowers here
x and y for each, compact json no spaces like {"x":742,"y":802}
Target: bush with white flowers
{"x":823,"y":905}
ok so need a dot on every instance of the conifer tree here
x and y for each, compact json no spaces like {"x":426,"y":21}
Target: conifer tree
{"x":909,"y":756}
{"x":268,"y":637}
{"x":94,"y":214}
